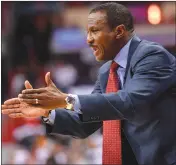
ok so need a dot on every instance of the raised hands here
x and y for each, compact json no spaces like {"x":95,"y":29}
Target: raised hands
{"x":17,"y":109}
{"x":49,"y":97}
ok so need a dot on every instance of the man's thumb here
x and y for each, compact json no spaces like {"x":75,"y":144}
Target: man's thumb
{"x":28,"y":85}
{"x":48,"y":79}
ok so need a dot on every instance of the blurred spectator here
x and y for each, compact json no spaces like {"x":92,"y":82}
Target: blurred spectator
{"x":20,"y":156}
{"x":58,"y":155}
{"x":65,"y":75}
{"x":41,"y":36}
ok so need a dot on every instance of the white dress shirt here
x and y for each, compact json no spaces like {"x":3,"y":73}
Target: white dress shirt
{"x":121,"y":59}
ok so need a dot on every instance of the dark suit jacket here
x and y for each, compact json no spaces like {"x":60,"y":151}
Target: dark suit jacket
{"x":145,"y":104}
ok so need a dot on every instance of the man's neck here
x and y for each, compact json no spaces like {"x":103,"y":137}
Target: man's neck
{"x":124,"y":41}
{"x":128,"y":37}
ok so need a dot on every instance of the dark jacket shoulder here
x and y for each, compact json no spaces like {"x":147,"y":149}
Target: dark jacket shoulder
{"x":147,"y":48}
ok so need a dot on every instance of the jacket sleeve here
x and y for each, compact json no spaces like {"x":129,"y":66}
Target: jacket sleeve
{"x":153,"y":74}
{"x":70,"y":123}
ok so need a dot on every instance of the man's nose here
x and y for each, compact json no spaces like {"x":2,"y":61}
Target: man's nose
{"x":90,"y":39}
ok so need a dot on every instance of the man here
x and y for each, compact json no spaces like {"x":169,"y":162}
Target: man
{"x":132,"y":98}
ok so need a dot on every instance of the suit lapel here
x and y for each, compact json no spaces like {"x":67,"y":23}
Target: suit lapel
{"x":134,"y":44}
{"x":105,"y":71}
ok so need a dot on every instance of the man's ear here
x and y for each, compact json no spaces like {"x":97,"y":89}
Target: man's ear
{"x":120,"y":31}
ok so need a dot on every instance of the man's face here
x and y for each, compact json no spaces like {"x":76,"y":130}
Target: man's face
{"x":100,"y":37}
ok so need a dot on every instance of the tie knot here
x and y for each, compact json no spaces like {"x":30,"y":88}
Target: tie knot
{"x":114,"y":66}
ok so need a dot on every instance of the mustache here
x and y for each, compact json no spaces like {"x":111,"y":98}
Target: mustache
{"x":91,"y":45}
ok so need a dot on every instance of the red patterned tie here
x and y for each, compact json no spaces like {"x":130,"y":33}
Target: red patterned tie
{"x":112,"y":128}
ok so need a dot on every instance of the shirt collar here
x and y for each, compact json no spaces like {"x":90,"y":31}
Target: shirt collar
{"x":122,"y":56}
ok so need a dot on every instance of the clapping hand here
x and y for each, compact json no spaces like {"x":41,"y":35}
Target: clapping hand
{"x":49,"y":97}
{"x":17,"y":109}
{"x":25,"y":105}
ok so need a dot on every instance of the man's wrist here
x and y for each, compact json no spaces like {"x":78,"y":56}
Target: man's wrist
{"x":64,"y":103}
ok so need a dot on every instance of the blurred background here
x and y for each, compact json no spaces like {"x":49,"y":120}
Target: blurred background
{"x":37,"y":37}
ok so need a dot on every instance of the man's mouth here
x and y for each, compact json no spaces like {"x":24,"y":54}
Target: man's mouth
{"x":95,"y":49}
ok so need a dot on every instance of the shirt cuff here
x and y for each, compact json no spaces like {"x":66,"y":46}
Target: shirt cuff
{"x":77,"y":105}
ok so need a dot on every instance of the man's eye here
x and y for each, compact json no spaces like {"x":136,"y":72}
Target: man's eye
{"x":95,"y":30}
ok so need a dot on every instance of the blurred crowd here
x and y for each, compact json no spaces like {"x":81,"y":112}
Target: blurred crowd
{"x":36,"y":38}
{"x":39,"y":149}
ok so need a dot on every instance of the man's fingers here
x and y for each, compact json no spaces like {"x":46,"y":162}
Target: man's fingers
{"x":16,"y":115}
{"x":12,"y":101}
{"x":9,"y":111}
{"x":30,"y":91}
{"x":30,"y":96}
{"x":31,"y":101}
{"x":10,"y":106}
